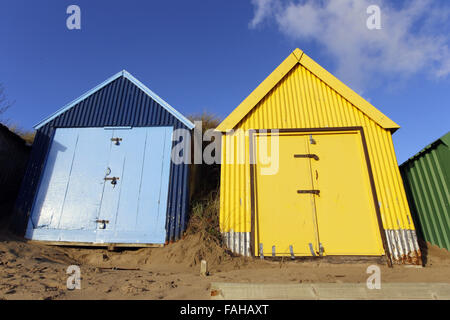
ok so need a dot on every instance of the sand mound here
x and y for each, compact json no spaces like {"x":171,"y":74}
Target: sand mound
{"x":13,"y":248}
{"x":202,"y":240}
{"x":436,"y":255}
{"x":187,"y":252}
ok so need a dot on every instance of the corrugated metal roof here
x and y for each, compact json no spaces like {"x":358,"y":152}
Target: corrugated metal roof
{"x":135,"y":81}
{"x":295,"y":58}
{"x":445,"y":139}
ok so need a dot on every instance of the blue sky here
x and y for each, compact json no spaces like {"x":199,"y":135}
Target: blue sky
{"x":209,"y":55}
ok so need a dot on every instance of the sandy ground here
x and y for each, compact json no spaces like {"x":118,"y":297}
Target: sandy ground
{"x":36,"y":271}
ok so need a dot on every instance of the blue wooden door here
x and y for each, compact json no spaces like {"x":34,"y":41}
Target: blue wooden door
{"x":134,"y":208}
{"x":104,"y":186}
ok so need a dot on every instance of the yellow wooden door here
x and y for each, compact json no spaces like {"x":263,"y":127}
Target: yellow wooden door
{"x":346,"y":215}
{"x":283,"y":217}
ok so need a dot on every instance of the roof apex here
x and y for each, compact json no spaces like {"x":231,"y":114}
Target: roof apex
{"x":136,"y":82}
{"x":299,"y":57}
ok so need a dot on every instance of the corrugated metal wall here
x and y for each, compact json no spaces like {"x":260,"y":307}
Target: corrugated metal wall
{"x":120,"y":103}
{"x":427,"y":182}
{"x":302,"y":100}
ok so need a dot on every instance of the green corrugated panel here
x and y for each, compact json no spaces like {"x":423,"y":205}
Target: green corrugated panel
{"x":427,"y":181}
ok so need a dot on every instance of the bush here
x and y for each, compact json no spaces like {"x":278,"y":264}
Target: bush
{"x":205,"y":217}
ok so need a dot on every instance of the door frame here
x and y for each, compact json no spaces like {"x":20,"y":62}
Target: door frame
{"x":253,"y":132}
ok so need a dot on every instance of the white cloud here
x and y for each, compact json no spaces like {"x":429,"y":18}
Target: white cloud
{"x":413,"y":38}
{"x":263,"y":9}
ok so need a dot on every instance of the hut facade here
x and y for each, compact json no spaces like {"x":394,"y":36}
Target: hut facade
{"x":309,"y":169}
{"x":427,"y":181}
{"x":100,"y":170}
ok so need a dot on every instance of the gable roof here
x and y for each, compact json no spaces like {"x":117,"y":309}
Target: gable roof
{"x":136,"y":82}
{"x":445,"y":139}
{"x":299,"y":57}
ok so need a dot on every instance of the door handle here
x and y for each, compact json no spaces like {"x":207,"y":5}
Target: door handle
{"x":311,"y":156}
{"x":316,"y":192}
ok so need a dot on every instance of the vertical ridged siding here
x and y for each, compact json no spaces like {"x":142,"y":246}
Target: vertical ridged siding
{"x":301,"y":100}
{"x":427,"y":182}
{"x":120,"y":103}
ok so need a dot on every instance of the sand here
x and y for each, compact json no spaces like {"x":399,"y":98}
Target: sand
{"x":36,"y":271}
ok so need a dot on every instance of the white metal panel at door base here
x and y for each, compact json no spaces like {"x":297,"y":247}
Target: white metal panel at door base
{"x":104,"y":186}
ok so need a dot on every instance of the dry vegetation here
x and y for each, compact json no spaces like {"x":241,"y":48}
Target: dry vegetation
{"x":26,"y":135}
{"x":5,"y":105}
{"x":205,"y":181}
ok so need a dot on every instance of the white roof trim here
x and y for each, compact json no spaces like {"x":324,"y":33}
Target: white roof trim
{"x":136,"y":82}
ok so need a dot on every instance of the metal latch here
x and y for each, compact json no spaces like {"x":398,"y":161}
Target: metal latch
{"x":311,"y":156}
{"x":112,"y":179}
{"x":291,"y":249}
{"x":320,"y":249}
{"x":311,"y":139}
{"x":116,"y":140}
{"x":102,"y":223}
{"x":316,"y":192}
{"x":311,"y":248}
